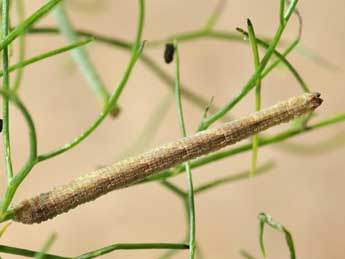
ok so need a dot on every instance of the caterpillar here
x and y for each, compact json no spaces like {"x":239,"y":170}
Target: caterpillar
{"x":129,"y":171}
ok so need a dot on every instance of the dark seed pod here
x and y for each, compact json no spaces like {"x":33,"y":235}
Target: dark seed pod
{"x":169,"y":53}
{"x":0,"y":125}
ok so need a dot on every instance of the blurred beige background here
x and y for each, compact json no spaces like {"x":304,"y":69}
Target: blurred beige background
{"x":304,"y":192}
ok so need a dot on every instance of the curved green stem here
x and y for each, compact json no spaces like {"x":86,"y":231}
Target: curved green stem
{"x":256,"y":58}
{"x":6,"y":87}
{"x":191,"y":206}
{"x":21,"y":48}
{"x":147,"y":61}
{"x":32,"y":158}
{"x":251,"y":82}
{"x":111,"y":248}
{"x":45,"y":55}
{"x":114,"y":96}
{"x":32,"y":19}
{"x":80,"y":55}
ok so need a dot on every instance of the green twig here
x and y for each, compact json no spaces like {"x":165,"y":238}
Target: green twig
{"x":214,"y":17}
{"x":191,"y":207}
{"x":267,"y":219}
{"x":80,"y":56}
{"x":137,"y":48}
{"x":193,"y":97}
{"x":220,"y":35}
{"x":47,"y":245}
{"x":173,"y":188}
{"x":111,"y":248}
{"x":246,"y":255}
{"x":256,"y":58}
{"x":6,"y":87}
{"x":27,"y":253}
{"x":21,"y":48}
{"x":46,"y":55}
{"x":32,"y":19}
{"x":32,"y":158}
{"x":232,"y":178}
{"x":96,"y":253}
{"x":252,"y":81}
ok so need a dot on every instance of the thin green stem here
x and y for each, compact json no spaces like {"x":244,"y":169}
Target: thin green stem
{"x":80,"y":55}
{"x":141,"y":246}
{"x":191,"y":206}
{"x":46,"y":55}
{"x":137,"y":48}
{"x":32,"y":19}
{"x":250,"y":84}
{"x":267,"y":219}
{"x":95,"y":253}
{"x":256,"y":58}
{"x":281,"y":12}
{"x":32,"y":158}
{"x":22,"y":46}
{"x":281,"y":58}
{"x":246,"y":255}
{"x":27,"y":253}
{"x":185,"y":37}
{"x":193,"y":97}
{"x":173,"y":188}
{"x":214,"y":17}
{"x":291,"y":47}
{"x":47,"y":245}
{"x":229,"y":36}
{"x":6,"y":87}
{"x":232,"y":178}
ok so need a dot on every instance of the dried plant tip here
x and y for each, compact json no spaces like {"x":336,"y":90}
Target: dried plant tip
{"x":169,"y":53}
{"x":127,"y":172}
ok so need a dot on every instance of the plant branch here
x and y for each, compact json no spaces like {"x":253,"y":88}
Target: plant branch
{"x":136,"y":51}
{"x":190,"y":197}
{"x":6,"y":87}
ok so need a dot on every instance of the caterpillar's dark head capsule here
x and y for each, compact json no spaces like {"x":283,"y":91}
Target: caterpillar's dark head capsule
{"x":169,"y":53}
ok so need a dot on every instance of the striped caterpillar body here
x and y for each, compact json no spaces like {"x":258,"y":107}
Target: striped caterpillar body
{"x":127,"y":172}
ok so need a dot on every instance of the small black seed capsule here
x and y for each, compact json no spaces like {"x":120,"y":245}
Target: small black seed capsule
{"x":169,"y":52}
{"x":0,"y":125}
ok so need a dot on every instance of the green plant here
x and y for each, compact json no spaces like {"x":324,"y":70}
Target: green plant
{"x":109,"y":103}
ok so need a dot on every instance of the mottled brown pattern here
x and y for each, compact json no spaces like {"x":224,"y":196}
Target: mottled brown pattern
{"x":124,"y":173}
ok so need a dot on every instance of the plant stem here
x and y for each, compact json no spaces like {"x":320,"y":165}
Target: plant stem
{"x":47,"y":245}
{"x":80,"y":55}
{"x":6,"y":87}
{"x":27,"y":253}
{"x":111,"y":248}
{"x":136,"y":51}
{"x":191,"y":206}
{"x":251,"y":83}
{"x":232,"y":178}
{"x":256,"y":58}
{"x":21,"y":48}
{"x":22,"y":27}
{"x":45,"y":55}
{"x":32,"y":158}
